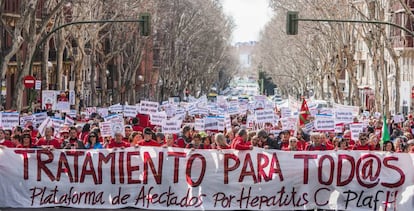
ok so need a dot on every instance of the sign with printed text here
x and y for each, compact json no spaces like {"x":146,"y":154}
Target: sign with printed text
{"x":130,"y":111}
{"x":265,"y":116}
{"x":324,"y":123}
{"x":398,"y":118}
{"x":171,"y":126}
{"x":343,"y":116}
{"x":356,"y":129}
{"x":199,"y":125}
{"x":9,"y":120}
{"x":158,"y":118}
{"x":102,"y":111}
{"x":180,"y":179}
{"x":148,"y":107}
{"x":106,"y":129}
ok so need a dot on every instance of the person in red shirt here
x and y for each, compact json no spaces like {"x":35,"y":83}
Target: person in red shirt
{"x":48,"y":140}
{"x":364,"y":143}
{"x":315,"y":143}
{"x":128,"y":130}
{"x":196,"y":143}
{"x":327,"y":142}
{"x":117,"y":142}
{"x":160,"y":138}
{"x":148,"y":141}
{"x":293,"y":145}
{"x":240,"y":142}
{"x":5,"y":142}
{"x":285,"y":137}
{"x":184,"y":138}
{"x":26,"y":141}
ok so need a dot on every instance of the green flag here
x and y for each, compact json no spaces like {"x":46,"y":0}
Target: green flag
{"x":385,"y":133}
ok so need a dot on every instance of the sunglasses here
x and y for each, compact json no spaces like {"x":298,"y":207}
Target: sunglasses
{"x":92,"y":136}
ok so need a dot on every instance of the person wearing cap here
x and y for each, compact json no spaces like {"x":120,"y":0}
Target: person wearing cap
{"x":118,"y":142}
{"x":48,"y":141}
{"x":240,"y":142}
{"x":73,"y":142}
{"x":148,"y":141}
{"x":64,"y":134}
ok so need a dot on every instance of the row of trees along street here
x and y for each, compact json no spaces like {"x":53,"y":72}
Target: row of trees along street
{"x":323,"y":52}
{"x":189,"y":47}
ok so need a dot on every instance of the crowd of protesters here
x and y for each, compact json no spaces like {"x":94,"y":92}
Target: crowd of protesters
{"x":87,"y":135}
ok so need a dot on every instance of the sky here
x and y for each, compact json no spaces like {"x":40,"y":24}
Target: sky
{"x":250,"y":17}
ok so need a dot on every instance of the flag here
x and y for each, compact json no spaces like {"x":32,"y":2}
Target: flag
{"x":304,"y":114}
{"x":385,"y":133}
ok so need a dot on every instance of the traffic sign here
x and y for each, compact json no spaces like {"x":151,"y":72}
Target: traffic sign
{"x":29,"y":81}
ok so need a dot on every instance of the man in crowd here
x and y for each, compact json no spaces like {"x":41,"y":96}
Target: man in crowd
{"x":148,"y":141}
{"x":118,"y":142}
{"x":73,"y":142}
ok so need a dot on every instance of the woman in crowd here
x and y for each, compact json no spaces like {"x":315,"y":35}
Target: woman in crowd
{"x":293,"y":144}
{"x":220,"y":140}
{"x":26,"y":141}
{"x":388,"y":146}
{"x":93,"y":142}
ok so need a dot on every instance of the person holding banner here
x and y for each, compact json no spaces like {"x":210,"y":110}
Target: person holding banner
{"x":196,"y":143}
{"x":221,"y":142}
{"x":5,"y":142}
{"x":184,"y":138}
{"x":117,"y":142}
{"x":73,"y":142}
{"x":315,"y":143}
{"x":148,"y":141}
{"x":364,"y":143}
{"x":268,"y":142}
{"x":48,"y":141}
{"x":93,"y":142}
{"x":293,"y":145}
{"x":240,"y":142}
{"x":26,"y":141}
{"x":169,"y":141}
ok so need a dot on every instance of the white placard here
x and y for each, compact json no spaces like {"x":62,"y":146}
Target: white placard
{"x":38,"y":85}
{"x":398,"y":118}
{"x":343,"y":116}
{"x":69,"y":121}
{"x":171,"y":126}
{"x":49,"y":99}
{"x":199,"y":125}
{"x":102,"y":111}
{"x":9,"y":120}
{"x":265,"y":116}
{"x":130,"y":111}
{"x":324,"y":123}
{"x":106,"y":129}
{"x":26,"y":119}
{"x":158,"y":118}
{"x":285,"y":112}
{"x":339,"y":128}
{"x":39,"y":118}
{"x":356,"y":129}
{"x":117,"y":108}
{"x":148,"y":107}
{"x":211,"y":123}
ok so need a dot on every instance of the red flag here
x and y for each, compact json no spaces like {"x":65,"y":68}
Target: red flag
{"x":304,"y":113}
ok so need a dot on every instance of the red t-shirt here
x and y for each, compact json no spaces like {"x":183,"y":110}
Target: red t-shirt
{"x":239,"y":144}
{"x":363,"y":147}
{"x":43,"y":142}
{"x":150,"y":143}
{"x":113,"y":144}
{"x":8,"y":143}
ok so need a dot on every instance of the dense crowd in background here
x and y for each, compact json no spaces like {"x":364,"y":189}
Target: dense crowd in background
{"x":138,"y":131}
